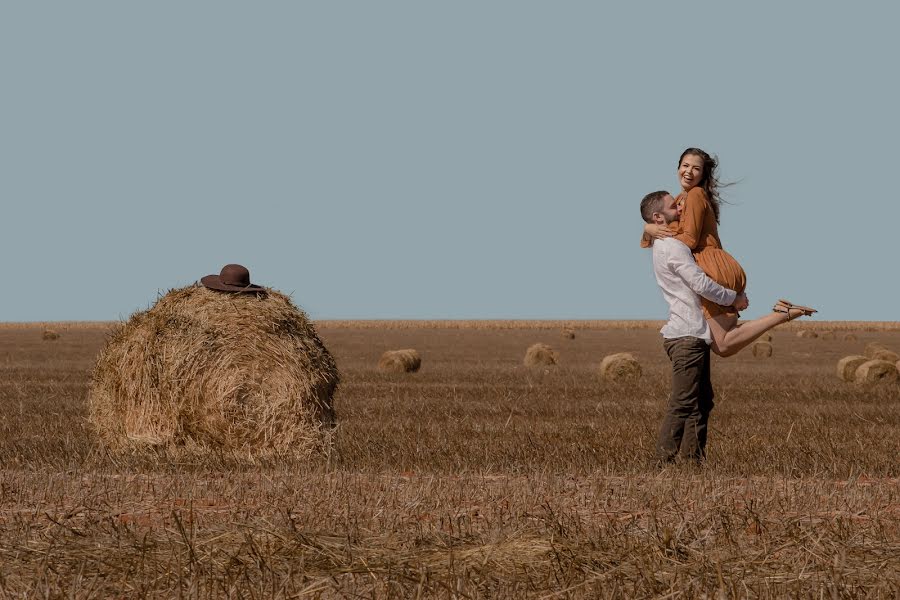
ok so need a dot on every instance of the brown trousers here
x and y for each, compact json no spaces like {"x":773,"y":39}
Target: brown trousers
{"x":684,"y":426}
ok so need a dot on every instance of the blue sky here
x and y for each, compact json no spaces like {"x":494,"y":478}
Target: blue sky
{"x":426,"y":160}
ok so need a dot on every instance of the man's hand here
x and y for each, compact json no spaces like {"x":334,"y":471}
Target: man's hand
{"x":741,"y":302}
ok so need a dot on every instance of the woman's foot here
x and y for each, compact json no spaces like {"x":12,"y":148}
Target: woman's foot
{"x":793,"y":310}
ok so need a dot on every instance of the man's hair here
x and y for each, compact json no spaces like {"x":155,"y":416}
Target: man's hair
{"x":652,"y":202}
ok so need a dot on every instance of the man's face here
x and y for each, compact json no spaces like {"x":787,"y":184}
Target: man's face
{"x":669,"y":211}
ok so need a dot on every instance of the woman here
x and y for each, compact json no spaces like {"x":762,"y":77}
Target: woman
{"x":698,"y":229}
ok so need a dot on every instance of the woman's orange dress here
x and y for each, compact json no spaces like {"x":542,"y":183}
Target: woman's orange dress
{"x":700,"y":232}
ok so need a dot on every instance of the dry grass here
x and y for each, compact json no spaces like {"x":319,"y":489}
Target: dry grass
{"x":873,"y":348}
{"x":762,"y":349}
{"x":477,"y":478}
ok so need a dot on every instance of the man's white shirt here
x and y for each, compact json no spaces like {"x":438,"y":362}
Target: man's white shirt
{"x":682,"y":283}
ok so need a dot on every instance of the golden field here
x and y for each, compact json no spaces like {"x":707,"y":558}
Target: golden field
{"x":475,"y":477}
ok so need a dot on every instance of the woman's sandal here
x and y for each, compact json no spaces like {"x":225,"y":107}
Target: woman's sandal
{"x":783,"y":306}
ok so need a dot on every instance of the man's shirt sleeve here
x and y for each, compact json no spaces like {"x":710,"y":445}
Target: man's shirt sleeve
{"x":682,"y":262}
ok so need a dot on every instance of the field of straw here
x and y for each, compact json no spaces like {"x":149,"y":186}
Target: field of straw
{"x":474,"y":477}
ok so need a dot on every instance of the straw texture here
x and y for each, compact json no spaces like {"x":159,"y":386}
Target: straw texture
{"x":203,"y":369}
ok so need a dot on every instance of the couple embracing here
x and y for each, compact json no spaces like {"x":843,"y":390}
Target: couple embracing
{"x":704,"y":288}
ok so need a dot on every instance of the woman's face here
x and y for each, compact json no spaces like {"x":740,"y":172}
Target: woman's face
{"x":690,"y":171}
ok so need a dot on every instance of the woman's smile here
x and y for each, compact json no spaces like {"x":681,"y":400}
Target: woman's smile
{"x":690,"y":171}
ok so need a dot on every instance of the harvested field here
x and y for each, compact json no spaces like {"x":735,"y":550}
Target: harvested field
{"x":478,"y":477}
{"x":762,"y":349}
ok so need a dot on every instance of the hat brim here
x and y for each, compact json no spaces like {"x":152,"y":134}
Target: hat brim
{"x":214,"y":282}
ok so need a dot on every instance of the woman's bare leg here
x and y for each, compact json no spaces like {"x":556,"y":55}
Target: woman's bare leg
{"x":729,"y":338}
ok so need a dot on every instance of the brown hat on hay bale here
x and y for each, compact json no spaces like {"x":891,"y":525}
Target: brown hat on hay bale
{"x":849,"y":337}
{"x":50,"y":335}
{"x":202,"y":369}
{"x":847,"y":366}
{"x":874,"y":347}
{"x":232,"y":278}
{"x":541,"y":354}
{"x":400,"y":361}
{"x":622,"y":366}
{"x":876,"y":371}
{"x":827,"y":335}
{"x":762,"y":349}
{"x":568,"y":333}
{"x":807,"y":333}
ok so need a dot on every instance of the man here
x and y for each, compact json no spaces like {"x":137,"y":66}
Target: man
{"x":686,"y":335}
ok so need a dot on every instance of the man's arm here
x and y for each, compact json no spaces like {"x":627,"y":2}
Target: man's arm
{"x":682,"y":262}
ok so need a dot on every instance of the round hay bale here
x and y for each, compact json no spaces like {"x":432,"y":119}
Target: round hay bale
{"x":541,"y":354}
{"x":846,"y":367}
{"x":885,"y":355}
{"x":807,"y":333}
{"x":400,"y":361}
{"x":827,"y":335}
{"x":872,"y":348}
{"x":49,"y":335}
{"x":203,"y":369}
{"x":850,"y":337}
{"x":569,"y":334}
{"x":766,"y":337}
{"x":876,"y":371}
{"x":762,"y":349}
{"x":620,"y":367}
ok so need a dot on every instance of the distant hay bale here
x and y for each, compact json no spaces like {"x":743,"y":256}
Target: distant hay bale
{"x":569,"y":334}
{"x":204,"y":370}
{"x":400,"y":361}
{"x":620,"y":367}
{"x":887,"y":355}
{"x":50,"y":335}
{"x":827,"y":335}
{"x":541,"y":354}
{"x":850,"y":337}
{"x":874,"y":347}
{"x":766,"y":337}
{"x":846,"y":367}
{"x":876,"y":371}
{"x":807,"y":333}
{"x":762,"y":349}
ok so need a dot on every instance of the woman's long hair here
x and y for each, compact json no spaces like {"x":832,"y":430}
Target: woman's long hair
{"x":709,"y":183}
